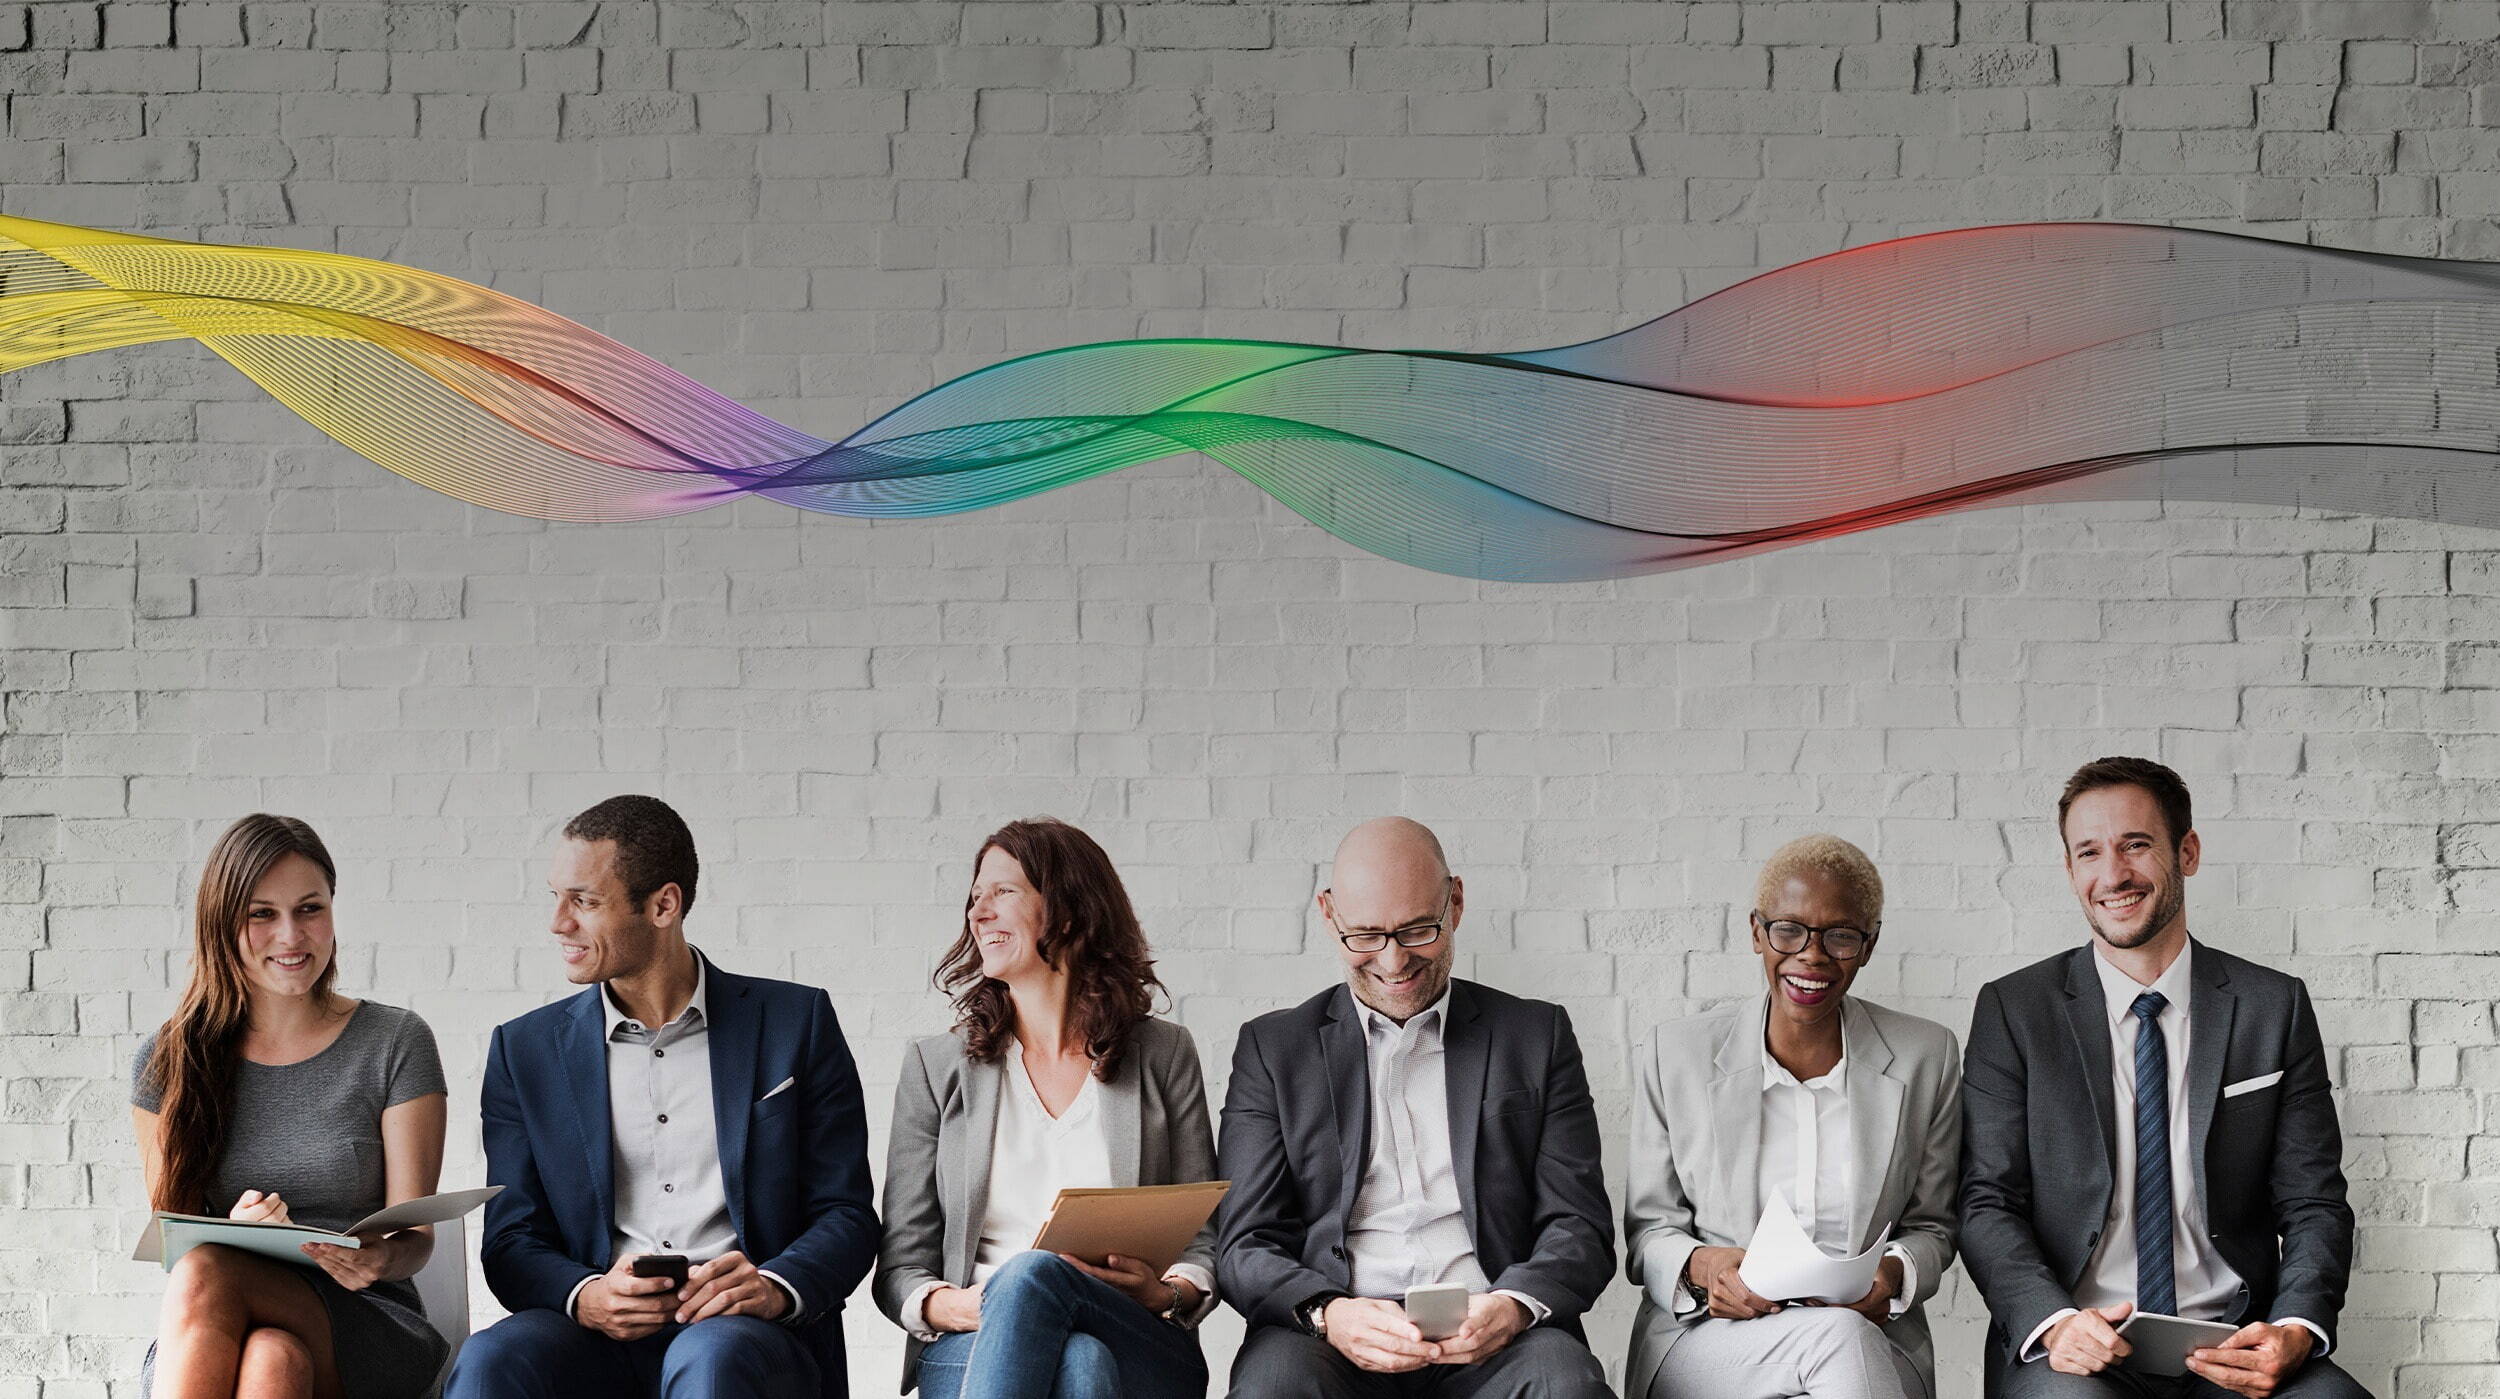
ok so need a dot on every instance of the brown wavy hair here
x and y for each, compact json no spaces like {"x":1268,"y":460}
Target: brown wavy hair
{"x":193,"y":1065}
{"x":1090,"y":931}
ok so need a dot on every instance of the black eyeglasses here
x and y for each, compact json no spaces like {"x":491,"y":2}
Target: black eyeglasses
{"x":1412,"y":935}
{"x":1841,"y":942}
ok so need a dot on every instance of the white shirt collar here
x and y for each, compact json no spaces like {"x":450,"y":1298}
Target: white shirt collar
{"x":697,"y":1007}
{"x":2119,"y":990}
{"x":1774,"y":1074}
{"x":1376,"y":1023}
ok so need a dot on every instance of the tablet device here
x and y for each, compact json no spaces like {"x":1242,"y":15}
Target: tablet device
{"x":2162,"y":1342}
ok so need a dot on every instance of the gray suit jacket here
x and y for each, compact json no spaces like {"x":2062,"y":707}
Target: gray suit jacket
{"x":1523,"y":1140}
{"x":937,"y":1159}
{"x":1697,"y":1149}
{"x":2041,"y":1132}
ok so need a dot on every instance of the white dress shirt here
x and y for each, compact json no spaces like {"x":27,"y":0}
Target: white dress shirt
{"x":1407,"y":1228}
{"x":2204,"y":1283}
{"x":1807,"y":1137}
{"x":1033,"y":1156}
{"x":665,"y":1143}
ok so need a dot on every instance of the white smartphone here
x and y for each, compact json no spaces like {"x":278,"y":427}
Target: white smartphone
{"x":1438,"y":1309}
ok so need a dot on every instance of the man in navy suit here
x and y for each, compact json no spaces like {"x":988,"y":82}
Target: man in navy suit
{"x":672,"y":1108}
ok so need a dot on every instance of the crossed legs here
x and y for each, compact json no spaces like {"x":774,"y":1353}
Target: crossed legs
{"x":237,"y":1325}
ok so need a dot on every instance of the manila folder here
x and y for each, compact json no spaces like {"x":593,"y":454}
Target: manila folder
{"x":1151,"y":1223}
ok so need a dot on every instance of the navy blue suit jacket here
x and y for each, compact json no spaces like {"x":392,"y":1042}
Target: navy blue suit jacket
{"x":794,"y":1166}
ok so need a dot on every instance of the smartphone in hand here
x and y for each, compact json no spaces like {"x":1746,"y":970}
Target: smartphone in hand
{"x":671,"y":1266}
{"x":1439,"y":1309}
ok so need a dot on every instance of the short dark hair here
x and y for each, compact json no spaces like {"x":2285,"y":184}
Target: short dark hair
{"x":2168,"y":792}
{"x":653,"y":846}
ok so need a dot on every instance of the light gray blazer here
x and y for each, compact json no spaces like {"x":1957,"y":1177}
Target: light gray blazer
{"x":1697,"y":1149}
{"x":937,"y":1157}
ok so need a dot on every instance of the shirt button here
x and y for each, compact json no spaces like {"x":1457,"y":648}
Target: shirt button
{"x":664,"y":1117}
{"x":659,"y":1054}
{"x":671,"y":1189}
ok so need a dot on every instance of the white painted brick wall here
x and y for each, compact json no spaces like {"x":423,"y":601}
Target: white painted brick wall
{"x":208,"y":609}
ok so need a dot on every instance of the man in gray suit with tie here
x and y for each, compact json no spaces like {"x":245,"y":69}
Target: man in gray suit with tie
{"x":1408,"y":1129}
{"x":2148,"y":1127}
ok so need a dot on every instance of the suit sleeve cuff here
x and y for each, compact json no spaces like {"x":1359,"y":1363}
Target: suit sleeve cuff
{"x":1537,"y":1311}
{"x":914,"y":1313}
{"x":1202,"y":1280}
{"x":576,"y":1295}
{"x":1905,"y":1299}
{"x":1662,"y":1272}
{"x":2031,"y":1344}
{"x":2314,"y":1329}
{"x":791,"y":1316}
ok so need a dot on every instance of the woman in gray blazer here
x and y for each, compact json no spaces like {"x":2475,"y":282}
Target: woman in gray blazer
{"x":1851,"y":1113}
{"x":1056,"y":1075}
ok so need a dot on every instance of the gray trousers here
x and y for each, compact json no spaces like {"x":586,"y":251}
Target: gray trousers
{"x":1276,"y":1363}
{"x":1823,"y":1352}
{"x":2319,"y":1379}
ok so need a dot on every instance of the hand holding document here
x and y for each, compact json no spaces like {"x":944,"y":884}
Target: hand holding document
{"x":1150,"y":1223}
{"x":170,"y":1235}
{"x":1783,"y":1264}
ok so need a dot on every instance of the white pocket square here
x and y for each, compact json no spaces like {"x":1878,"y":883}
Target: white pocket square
{"x":788,"y":1081}
{"x":2251,"y":1085}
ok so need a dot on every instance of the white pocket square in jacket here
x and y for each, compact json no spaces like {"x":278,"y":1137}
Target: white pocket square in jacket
{"x":788,"y":1081}
{"x":2251,"y":1085}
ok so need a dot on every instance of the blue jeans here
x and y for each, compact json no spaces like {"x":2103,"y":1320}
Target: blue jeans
{"x":1049,"y":1331}
{"x":547,"y":1355}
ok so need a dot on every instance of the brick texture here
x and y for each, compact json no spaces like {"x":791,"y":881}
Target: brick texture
{"x":208,"y":609}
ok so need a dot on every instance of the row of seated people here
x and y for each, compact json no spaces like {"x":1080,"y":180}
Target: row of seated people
{"x":2142,"y":1122}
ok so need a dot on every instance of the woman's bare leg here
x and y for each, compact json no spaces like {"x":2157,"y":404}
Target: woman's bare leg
{"x":214,"y":1299}
{"x":276,"y":1365}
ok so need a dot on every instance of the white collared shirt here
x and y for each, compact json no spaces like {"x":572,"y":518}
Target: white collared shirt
{"x":2203,"y":1282}
{"x":664,"y":1138}
{"x":1407,"y":1227}
{"x":1808,"y":1140}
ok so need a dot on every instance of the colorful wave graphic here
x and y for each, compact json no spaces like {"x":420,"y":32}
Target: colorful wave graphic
{"x":1950,"y":371}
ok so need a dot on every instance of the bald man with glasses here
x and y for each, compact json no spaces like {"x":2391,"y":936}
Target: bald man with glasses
{"x":1407,"y":1129}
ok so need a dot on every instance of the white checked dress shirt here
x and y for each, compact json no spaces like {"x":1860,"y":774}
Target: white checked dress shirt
{"x":665,"y":1140}
{"x":2205,"y":1284}
{"x":1407,"y":1228}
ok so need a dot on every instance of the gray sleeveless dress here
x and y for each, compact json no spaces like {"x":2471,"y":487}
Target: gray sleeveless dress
{"x":312,"y":1131}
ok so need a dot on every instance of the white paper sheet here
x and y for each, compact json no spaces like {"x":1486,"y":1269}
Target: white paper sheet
{"x":1784,"y":1265}
{"x":168,"y":1236}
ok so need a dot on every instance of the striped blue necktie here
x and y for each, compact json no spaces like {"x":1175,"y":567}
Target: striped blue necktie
{"x":2156,"y":1282}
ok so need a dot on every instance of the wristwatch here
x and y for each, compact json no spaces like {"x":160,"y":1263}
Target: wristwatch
{"x":1171,"y":1309}
{"x":1692,"y":1289}
{"x":1314,"y":1313}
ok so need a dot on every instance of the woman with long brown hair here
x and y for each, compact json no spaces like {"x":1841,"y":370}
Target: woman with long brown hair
{"x":269,"y":1096}
{"x":1057,"y":1074}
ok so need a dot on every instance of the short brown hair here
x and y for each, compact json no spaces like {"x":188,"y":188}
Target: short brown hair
{"x":653,"y":846}
{"x":2168,"y":792}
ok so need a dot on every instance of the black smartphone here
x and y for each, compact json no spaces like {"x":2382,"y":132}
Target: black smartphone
{"x":671,"y":1266}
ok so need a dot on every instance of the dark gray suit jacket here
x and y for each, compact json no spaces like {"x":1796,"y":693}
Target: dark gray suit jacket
{"x":938,"y":1148}
{"x":2040,"y":1129}
{"x":1523,"y":1139}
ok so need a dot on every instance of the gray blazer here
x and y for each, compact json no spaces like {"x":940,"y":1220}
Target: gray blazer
{"x":2266,"y":1151}
{"x":1697,"y":1149}
{"x":937,"y":1158}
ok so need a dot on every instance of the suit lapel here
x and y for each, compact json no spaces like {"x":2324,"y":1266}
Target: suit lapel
{"x":982,"y":1083}
{"x":1875,"y":1099}
{"x":1464,"y":1056}
{"x":1349,"y":1096}
{"x":733,"y":1030}
{"x":2211,"y":1007}
{"x":2087,"y":1018}
{"x":581,"y":1047}
{"x":1736,"y":1113}
{"x":1123,"y":1117}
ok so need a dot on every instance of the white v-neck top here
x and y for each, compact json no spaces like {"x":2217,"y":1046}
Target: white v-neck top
{"x":1033,"y":1158}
